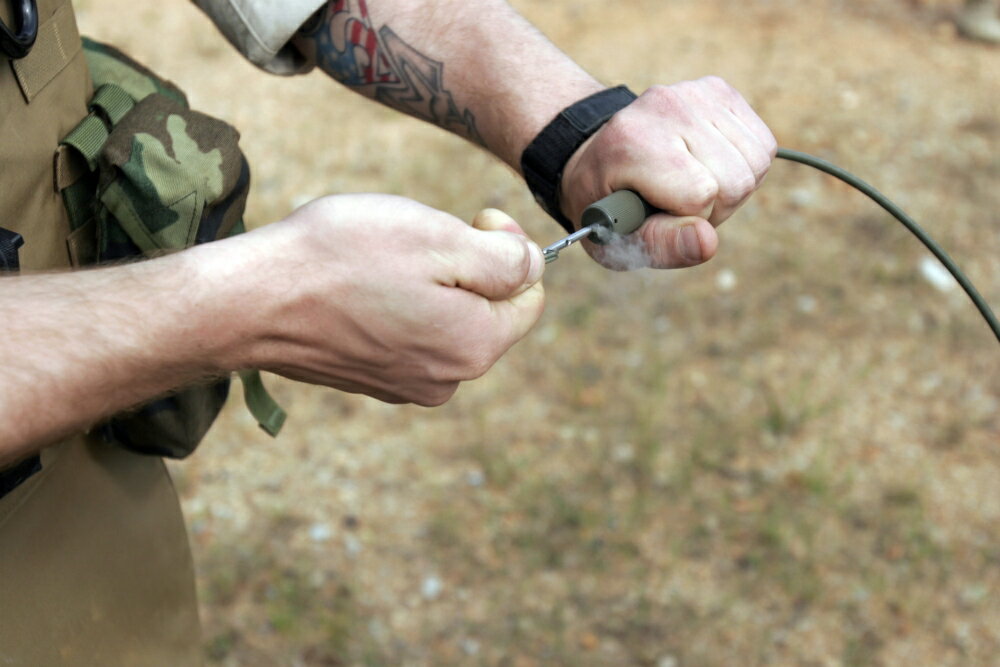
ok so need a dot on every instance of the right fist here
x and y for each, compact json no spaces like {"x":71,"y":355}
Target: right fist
{"x":384,"y":296}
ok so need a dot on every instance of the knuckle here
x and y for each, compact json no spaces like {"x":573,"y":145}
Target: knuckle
{"x":438,"y":395}
{"x":661,"y":93}
{"x":718,"y":85}
{"x":506,"y":279}
{"x":760,"y":166}
{"x":738,"y":190}
{"x":771,"y":146}
{"x":622,"y":140}
{"x":470,"y":361}
{"x":479,"y":363}
{"x":621,"y":130}
{"x":466,"y":354}
{"x":715,"y":81}
{"x":671,"y":101}
{"x":700,"y":194}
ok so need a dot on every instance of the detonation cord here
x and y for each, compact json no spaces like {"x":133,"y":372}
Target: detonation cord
{"x":908,"y":222}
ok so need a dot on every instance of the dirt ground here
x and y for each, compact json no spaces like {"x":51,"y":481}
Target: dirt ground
{"x":789,"y":456}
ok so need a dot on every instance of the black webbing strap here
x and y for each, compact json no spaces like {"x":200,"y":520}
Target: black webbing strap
{"x":544,"y":159}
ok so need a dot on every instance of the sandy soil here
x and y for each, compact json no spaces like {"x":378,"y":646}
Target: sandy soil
{"x":788,"y":456}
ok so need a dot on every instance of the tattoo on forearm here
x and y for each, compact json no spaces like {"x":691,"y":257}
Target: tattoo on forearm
{"x":350,"y":50}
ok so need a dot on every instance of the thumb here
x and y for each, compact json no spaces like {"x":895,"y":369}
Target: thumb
{"x":674,"y":242}
{"x":496,"y":259}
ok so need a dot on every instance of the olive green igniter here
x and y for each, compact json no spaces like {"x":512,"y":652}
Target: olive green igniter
{"x":618,"y":214}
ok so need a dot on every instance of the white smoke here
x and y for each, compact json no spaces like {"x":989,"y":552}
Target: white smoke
{"x":622,"y":253}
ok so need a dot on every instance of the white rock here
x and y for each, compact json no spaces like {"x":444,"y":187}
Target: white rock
{"x":352,"y":545}
{"x":475,"y":478}
{"x":431,"y":588}
{"x":220,"y":511}
{"x":623,"y":453}
{"x":320,"y":532}
{"x":725,"y":280}
{"x":934,"y":273}
{"x":849,"y":99}
{"x":806,"y":304}
{"x":803,"y":198}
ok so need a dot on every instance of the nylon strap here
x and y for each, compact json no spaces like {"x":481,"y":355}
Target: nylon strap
{"x":88,"y":138}
{"x":544,"y":159}
{"x":91,"y":134}
{"x":113,"y":101}
{"x":261,"y":405}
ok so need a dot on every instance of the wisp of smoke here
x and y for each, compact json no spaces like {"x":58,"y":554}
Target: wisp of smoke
{"x":623,"y":253}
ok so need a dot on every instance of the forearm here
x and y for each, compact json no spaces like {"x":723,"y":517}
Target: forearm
{"x":84,"y":345}
{"x":342,"y":293}
{"x":474,"y":68}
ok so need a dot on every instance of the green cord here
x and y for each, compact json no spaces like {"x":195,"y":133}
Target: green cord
{"x":908,"y":222}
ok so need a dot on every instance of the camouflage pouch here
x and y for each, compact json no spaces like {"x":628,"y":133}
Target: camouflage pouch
{"x":141,"y":175}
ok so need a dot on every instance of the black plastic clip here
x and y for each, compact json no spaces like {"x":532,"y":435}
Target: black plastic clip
{"x":9,"y":243}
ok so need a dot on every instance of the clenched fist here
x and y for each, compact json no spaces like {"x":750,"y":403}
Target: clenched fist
{"x":695,"y":150}
{"x":383,"y":296}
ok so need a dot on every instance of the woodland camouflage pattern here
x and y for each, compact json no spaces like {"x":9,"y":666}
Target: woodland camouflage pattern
{"x":161,"y":177}
{"x":167,"y":177}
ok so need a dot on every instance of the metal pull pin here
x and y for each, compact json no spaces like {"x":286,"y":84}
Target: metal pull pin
{"x":552,"y":252}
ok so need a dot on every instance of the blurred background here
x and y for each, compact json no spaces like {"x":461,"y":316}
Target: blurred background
{"x":789,"y":456}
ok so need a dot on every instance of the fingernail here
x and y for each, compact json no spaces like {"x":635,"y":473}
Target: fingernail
{"x":690,"y":244}
{"x":537,"y":267}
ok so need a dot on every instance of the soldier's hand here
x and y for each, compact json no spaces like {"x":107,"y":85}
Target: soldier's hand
{"x":694,"y":149}
{"x":381,"y":295}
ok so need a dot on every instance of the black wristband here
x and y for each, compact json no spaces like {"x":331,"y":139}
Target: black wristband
{"x":544,"y":159}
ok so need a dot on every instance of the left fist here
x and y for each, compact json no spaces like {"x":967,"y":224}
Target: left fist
{"x":695,"y":150}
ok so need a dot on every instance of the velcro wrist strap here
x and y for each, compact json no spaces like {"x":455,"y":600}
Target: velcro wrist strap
{"x":544,"y":159}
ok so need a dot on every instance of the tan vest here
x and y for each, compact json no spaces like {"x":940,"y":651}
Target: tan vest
{"x":95,"y":567}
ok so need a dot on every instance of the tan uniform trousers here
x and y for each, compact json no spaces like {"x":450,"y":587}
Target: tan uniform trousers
{"x":95,"y":567}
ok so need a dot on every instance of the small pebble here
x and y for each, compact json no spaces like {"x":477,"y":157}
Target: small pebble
{"x":938,"y":276}
{"x":475,"y":478}
{"x":222,"y":512}
{"x":973,"y":595}
{"x":725,"y":280}
{"x":320,"y":532}
{"x":352,"y":545}
{"x":806,"y":304}
{"x":849,"y":99}
{"x":431,"y":588}
{"x":547,"y":334}
{"x":623,"y":453}
{"x":802,"y":198}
